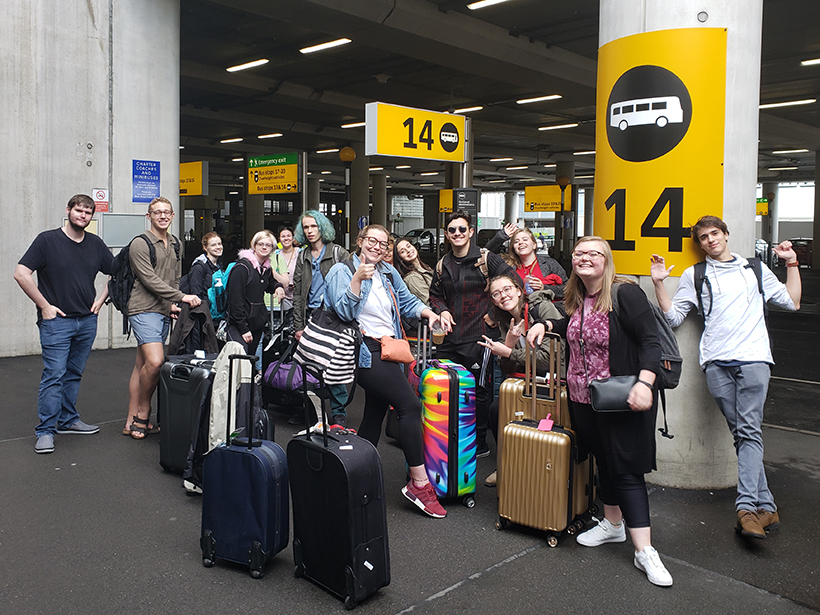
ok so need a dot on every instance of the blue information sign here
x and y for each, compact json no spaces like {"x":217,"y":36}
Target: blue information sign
{"x":146,"y":181}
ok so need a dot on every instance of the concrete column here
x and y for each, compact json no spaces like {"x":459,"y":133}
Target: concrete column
{"x":359,"y":189}
{"x":379,"y":213}
{"x":589,"y":200}
{"x":702,"y":455}
{"x":453,"y":175}
{"x":565,"y":237}
{"x":254,"y":217}
{"x":510,"y":207}
{"x":769,"y":230}
{"x":313,"y":193}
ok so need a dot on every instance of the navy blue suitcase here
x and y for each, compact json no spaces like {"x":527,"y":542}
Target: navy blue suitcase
{"x":339,"y":513}
{"x":245,"y":500}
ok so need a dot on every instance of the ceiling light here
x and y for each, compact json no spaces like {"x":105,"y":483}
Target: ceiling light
{"x":353,"y":125}
{"x":525,"y":101}
{"x":500,"y":159}
{"x":483,"y":3}
{"x":237,"y":159}
{"x":790,"y":151}
{"x":468,"y":109}
{"x":589,"y":153}
{"x":237,"y":140}
{"x":782,"y":168}
{"x":517,"y":168}
{"x":376,"y":169}
{"x":425,"y":184}
{"x":323,"y":46}
{"x":241,"y":177}
{"x":327,"y":151}
{"x":789,"y":103}
{"x":247,"y":65}
{"x":584,"y":176}
{"x":181,"y":147}
{"x":550,"y":166}
{"x":326,"y":172}
{"x":272,"y":135}
{"x":429,"y":173}
{"x":810,"y":62}
{"x":559,"y":127}
{"x":310,"y":172}
{"x":497,"y":181}
{"x":403,"y":166}
{"x":234,"y":192}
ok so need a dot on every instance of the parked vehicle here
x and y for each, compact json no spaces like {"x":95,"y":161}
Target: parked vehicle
{"x":425,"y":239}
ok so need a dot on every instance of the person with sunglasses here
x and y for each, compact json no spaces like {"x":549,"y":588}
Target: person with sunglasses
{"x":459,"y":294}
{"x":604,"y":342}
{"x":376,"y":297}
{"x":515,"y":311}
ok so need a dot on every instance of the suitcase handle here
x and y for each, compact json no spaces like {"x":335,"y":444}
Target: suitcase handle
{"x":315,"y":370}
{"x":233,"y":394}
{"x":181,"y":371}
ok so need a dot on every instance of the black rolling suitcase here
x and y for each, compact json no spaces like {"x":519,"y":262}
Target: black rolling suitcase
{"x":245,"y":501}
{"x":184,"y":385}
{"x":339,"y":514}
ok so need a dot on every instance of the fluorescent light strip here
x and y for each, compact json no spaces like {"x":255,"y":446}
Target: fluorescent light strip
{"x":584,"y":176}
{"x":790,"y":151}
{"x":353,"y":125}
{"x":247,"y":65}
{"x":526,"y":101}
{"x":323,"y":46}
{"x":559,"y":127}
{"x":236,"y":140}
{"x":424,"y":185}
{"x":550,"y":166}
{"x":429,"y":173}
{"x":326,"y":172}
{"x":468,"y":109}
{"x":181,"y":147}
{"x":327,"y":151}
{"x":483,"y":3}
{"x":782,"y":168}
{"x":272,"y":135}
{"x":789,"y":103}
{"x":810,"y":62}
{"x":497,"y":181}
{"x":589,"y":153}
{"x":403,"y":166}
{"x":500,"y":159}
{"x":517,"y":168}
{"x":237,"y":159}
{"x":376,"y":169}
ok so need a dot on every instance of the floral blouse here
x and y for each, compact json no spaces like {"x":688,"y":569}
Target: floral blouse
{"x":596,"y":350}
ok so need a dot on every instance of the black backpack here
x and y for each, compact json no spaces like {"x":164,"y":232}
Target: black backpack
{"x":122,"y":277}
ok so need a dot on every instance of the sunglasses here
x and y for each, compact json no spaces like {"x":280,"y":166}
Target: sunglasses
{"x":456,"y":229}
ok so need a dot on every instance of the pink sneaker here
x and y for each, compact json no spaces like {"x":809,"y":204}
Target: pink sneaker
{"x":425,"y":498}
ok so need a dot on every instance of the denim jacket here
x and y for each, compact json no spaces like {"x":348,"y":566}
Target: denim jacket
{"x":340,"y":299}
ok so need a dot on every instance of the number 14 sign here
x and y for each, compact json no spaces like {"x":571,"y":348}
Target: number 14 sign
{"x":659,"y":134}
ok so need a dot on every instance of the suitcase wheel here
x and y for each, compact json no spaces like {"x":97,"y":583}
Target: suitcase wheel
{"x":207,"y":544}
{"x":552,"y":541}
{"x":469,"y":501}
{"x":299,"y":571}
{"x":350,"y":603}
{"x":207,"y":562}
{"x":572,"y":529}
{"x":502,"y":524}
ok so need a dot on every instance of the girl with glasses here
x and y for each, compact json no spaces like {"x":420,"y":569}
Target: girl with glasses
{"x":376,"y":297}
{"x":511,"y":305}
{"x":615,"y":343}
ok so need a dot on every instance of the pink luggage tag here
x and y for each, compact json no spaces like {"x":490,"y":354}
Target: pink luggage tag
{"x":546,"y":424}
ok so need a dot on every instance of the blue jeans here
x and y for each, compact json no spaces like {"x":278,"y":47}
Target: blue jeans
{"x":66,"y":344}
{"x":740,"y":393}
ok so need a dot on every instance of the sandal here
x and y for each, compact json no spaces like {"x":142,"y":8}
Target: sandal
{"x":139,"y":428}
{"x":152,"y":429}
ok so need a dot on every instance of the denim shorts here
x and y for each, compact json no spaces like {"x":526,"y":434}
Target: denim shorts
{"x":150,"y":327}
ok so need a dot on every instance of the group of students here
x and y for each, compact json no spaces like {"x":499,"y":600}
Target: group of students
{"x":486,"y":305}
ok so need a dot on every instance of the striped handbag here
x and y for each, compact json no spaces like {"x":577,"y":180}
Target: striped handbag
{"x":332,"y":343}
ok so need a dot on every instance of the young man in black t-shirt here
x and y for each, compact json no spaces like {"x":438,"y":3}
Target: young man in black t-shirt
{"x":67,"y":261}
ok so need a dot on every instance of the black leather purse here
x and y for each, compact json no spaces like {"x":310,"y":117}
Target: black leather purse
{"x":607,"y":394}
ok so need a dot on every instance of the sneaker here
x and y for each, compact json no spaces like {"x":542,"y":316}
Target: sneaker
{"x":339,"y":419}
{"x":425,"y":498}
{"x":491,"y":479}
{"x":748,"y":525}
{"x":650,"y":562}
{"x":602,"y":533}
{"x":482,"y":450}
{"x":79,"y":428}
{"x":768,"y":520}
{"x":45,"y":444}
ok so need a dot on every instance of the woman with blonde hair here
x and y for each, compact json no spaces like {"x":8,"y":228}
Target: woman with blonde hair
{"x":538,"y":271}
{"x":606,"y":341}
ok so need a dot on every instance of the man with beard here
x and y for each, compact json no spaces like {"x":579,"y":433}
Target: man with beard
{"x":67,"y":261}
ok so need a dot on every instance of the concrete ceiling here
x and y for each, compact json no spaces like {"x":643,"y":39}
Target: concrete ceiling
{"x":439,"y":55}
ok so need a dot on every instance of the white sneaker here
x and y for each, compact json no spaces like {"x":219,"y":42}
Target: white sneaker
{"x":650,"y":562}
{"x":602,"y":533}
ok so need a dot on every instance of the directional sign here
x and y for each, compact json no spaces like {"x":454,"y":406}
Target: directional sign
{"x":546,"y":198}
{"x":273,"y":174}
{"x":193,"y":178}
{"x":391,"y":130}
{"x":762,"y":208}
{"x":659,"y":134}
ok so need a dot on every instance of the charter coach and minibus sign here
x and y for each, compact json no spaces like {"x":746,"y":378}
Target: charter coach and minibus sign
{"x":273,"y":174}
{"x":391,"y":130}
{"x":660,"y":135}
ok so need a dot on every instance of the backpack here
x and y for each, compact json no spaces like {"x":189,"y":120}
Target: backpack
{"x":481,"y":264}
{"x":122,"y":277}
{"x":671,"y":359}
{"x":216,"y":293}
{"x":754,"y":264}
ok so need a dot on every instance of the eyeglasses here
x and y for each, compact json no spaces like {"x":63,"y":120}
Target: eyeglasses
{"x":162,"y":213}
{"x":264,"y":244}
{"x":456,"y":229}
{"x":507,"y":290}
{"x":373,"y":242}
{"x":592,"y":254}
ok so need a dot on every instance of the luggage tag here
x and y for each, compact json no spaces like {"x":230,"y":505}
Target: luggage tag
{"x":546,"y":424}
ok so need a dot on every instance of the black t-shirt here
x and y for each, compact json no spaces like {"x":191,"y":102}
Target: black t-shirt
{"x":66,"y":269}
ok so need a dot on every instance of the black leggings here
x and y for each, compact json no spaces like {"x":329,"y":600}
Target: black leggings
{"x":625,"y":490}
{"x":385,"y":384}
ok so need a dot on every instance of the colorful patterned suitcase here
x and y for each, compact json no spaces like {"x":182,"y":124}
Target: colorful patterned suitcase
{"x":447,"y":392}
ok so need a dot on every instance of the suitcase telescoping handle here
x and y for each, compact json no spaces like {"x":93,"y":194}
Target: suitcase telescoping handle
{"x":424,"y":352}
{"x":233,"y":393}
